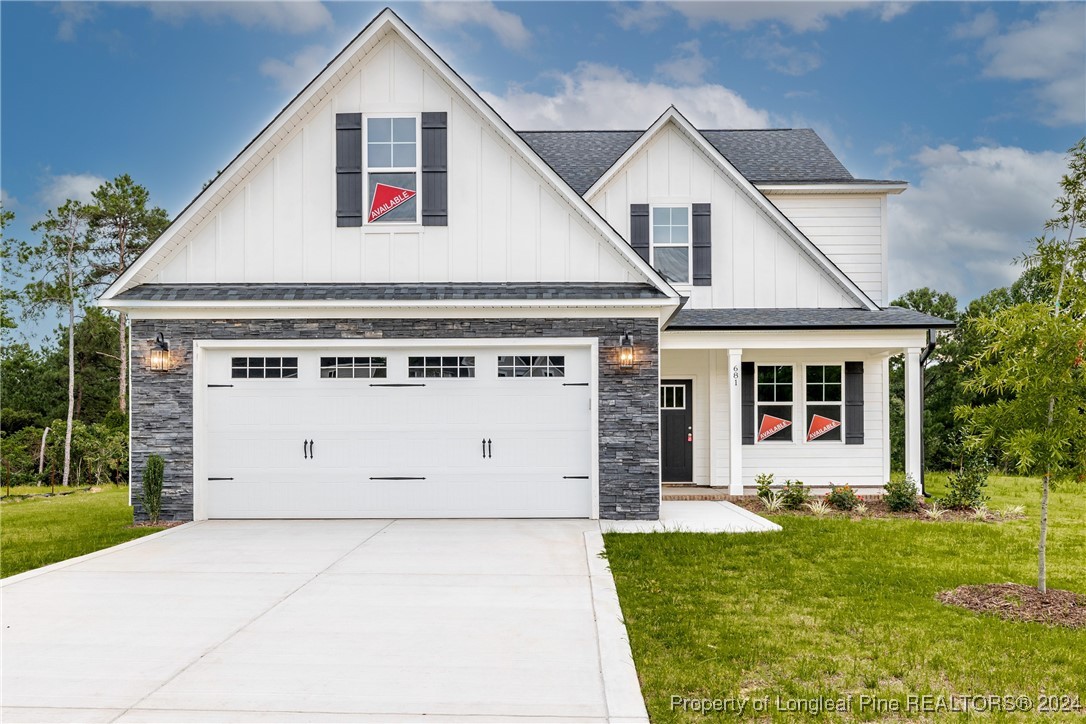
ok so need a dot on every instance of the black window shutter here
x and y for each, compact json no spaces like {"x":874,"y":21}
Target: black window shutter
{"x":348,"y":169}
{"x":703,"y":246}
{"x":435,"y":169}
{"x":748,"y":403}
{"x":639,"y":229}
{"x":854,"y":403}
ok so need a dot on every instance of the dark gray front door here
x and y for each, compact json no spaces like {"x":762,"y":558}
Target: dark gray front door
{"x":677,"y":431}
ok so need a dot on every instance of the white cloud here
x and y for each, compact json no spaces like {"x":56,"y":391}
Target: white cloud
{"x":72,"y":15}
{"x":801,"y":17}
{"x":780,"y":57}
{"x":292,"y":74}
{"x":287,"y":16}
{"x":599,"y":96}
{"x":1049,"y":51}
{"x":9,"y":202}
{"x":646,"y":16}
{"x":980,"y":25}
{"x":688,"y":66}
{"x":55,"y":190}
{"x":507,"y":27}
{"x":971,"y":213}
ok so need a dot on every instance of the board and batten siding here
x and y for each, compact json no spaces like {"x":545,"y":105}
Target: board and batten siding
{"x":755,"y":264}
{"x":849,"y":229}
{"x":506,"y":222}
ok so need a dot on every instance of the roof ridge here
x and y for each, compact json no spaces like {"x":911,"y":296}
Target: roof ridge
{"x":634,"y":130}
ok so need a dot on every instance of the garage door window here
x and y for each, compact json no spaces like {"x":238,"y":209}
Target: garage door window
{"x":354,"y":367}
{"x":261,"y":368}
{"x":532,"y":366}
{"x":444,"y":367}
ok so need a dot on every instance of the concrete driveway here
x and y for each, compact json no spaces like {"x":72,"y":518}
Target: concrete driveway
{"x":324,"y":621}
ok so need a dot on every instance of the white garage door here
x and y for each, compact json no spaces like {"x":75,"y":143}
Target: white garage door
{"x":343,"y":432}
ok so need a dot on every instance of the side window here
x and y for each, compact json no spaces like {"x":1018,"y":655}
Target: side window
{"x":392,"y":169}
{"x":824,"y":396}
{"x":443,"y":367}
{"x":532,"y":366}
{"x":354,"y":367}
{"x":671,"y":242}
{"x":263,"y":368}
{"x":775,"y":402}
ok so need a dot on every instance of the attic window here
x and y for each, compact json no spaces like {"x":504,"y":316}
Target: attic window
{"x":671,"y":243}
{"x":392,"y":169}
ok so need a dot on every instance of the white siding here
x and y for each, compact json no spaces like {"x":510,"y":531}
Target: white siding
{"x":849,"y":229}
{"x":506,"y":223}
{"x":755,"y":264}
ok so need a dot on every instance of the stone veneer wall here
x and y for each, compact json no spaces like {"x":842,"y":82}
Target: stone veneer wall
{"x":629,"y":428}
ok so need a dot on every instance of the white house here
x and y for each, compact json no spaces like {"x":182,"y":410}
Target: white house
{"x":391,"y":304}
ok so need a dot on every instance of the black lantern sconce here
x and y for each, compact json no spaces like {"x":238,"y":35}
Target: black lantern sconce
{"x":158,"y":359}
{"x":626,"y":351}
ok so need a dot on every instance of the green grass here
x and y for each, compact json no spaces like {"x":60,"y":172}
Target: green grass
{"x":38,"y":531}
{"x":836,"y":607}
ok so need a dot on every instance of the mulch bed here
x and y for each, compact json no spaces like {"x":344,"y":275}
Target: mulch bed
{"x":1017,"y":602}
{"x":159,"y":524}
{"x":876,"y":508}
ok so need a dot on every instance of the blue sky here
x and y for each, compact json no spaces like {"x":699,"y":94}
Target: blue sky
{"x":973,"y":103}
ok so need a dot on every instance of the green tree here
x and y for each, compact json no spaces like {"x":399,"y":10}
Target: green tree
{"x":57,"y":265}
{"x":7,"y":256}
{"x":123,"y":226}
{"x":941,"y":378}
{"x":1033,"y":359}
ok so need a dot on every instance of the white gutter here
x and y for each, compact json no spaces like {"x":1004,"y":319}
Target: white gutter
{"x":842,"y":188}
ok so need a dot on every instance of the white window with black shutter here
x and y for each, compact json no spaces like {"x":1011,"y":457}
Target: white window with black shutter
{"x":824,"y":396}
{"x":670,"y":243}
{"x":776,"y":403}
{"x":391,"y":169}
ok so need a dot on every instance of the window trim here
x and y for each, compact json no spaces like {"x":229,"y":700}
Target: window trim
{"x":441,"y":367}
{"x":689,"y":240}
{"x":296,"y":367}
{"x":416,"y":169}
{"x":840,"y":403}
{"x":560,"y":367}
{"x":794,"y":404}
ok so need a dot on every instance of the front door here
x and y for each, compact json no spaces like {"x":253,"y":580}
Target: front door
{"x":677,"y":431}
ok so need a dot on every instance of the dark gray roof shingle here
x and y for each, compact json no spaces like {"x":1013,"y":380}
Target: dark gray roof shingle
{"x":385,"y":292}
{"x":779,"y":155}
{"x":727,"y":319}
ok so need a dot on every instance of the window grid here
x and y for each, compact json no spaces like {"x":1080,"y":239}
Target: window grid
{"x":440,"y":367}
{"x":672,"y":397}
{"x":824,"y":396}
{"x":354,"y":367}
{"x":392,"y":158}
{"x":671,"y":242}
{"x":531,"y":366}
{"x":261,"y":368}
{"x":824,"y":383}
{"x":774,"y":395}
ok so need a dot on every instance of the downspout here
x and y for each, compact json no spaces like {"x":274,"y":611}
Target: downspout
{"x":933,"y":336}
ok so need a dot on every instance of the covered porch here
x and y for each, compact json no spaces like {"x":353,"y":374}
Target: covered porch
{"x":798,"y":393}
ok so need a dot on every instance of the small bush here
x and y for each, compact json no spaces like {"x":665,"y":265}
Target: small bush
{"x":860,"y":509}
{"x":773,"y":502}
{"x":936,"y":511}
{"x":764,"y":481}
{"x":981,"y":513}
{"x":795,"y":494}
{"x":842,"y":498}
{"x":965,"y":488}
{"x":818,"y":507}
{"x":152,"y":487}
{"x":901,"y":496}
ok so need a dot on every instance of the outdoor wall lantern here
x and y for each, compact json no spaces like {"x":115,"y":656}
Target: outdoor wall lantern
{"x":159,"y":358}
{"x":626,"y":351}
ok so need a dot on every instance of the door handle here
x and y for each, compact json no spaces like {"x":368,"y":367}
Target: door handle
{"x":489,"y":449}
{"x":305,"y":450}
{"x":311,"y":455}
{"x":484,"y":448}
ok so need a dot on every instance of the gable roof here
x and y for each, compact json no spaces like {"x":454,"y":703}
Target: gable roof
{"x":807,"y":318}
{"x":673,"y":117}
{"x":775,"y":155}
{"x":308,"y":100}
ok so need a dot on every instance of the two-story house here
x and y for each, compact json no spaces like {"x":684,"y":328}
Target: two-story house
{"x":392,"y":304}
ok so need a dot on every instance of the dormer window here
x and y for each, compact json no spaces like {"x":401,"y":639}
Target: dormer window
{"x":670,"y":243}
{"x":392,"y":169}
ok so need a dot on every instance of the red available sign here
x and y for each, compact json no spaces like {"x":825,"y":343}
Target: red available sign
{"x":820,"y":426}
{"x":386,"y":198}
{"x":771,"y":426}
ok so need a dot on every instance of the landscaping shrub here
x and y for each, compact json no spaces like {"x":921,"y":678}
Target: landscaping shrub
{"x":902,"y":496}
{"x":795,"y":494}
{"x":764,"y":481}
{"x":152,"y":487}
{"x":842,"y":498}
{"x":965,"y":488}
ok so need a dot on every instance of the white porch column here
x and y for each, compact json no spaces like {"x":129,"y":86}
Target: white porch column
{"x":913,"y":425}
{"x":735,"y":421}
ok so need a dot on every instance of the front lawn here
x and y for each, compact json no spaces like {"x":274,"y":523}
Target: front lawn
{"x":35,"y":532}
{"x":833,"y":607}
